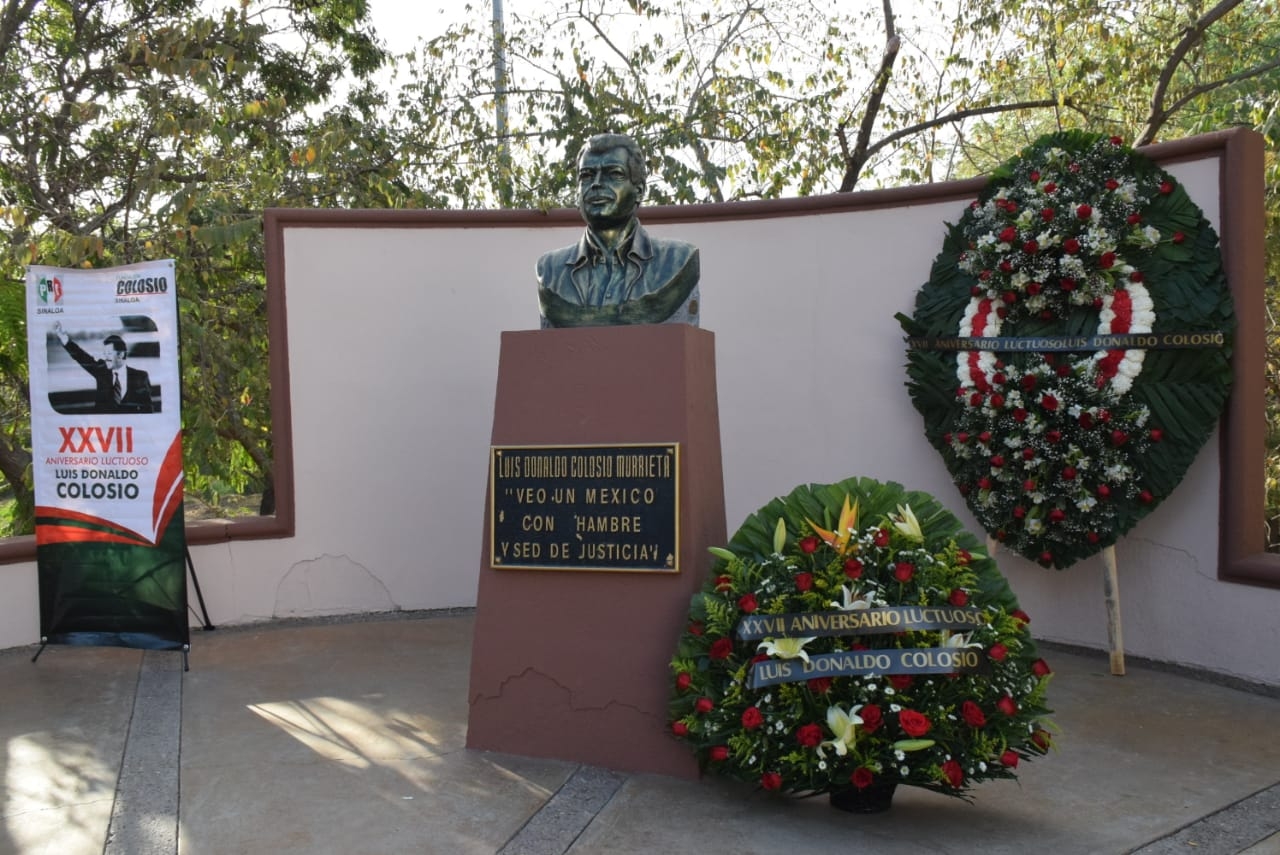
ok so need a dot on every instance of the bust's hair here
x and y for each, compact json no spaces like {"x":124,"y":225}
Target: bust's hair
{"x":635,"y":158}
{"x":116,"y":342}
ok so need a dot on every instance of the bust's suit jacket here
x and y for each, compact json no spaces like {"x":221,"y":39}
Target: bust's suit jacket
{"x":661,"y":278}
{"x":137,"y":391}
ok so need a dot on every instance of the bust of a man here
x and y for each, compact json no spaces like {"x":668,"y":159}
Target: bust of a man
{"x":616,"y":273}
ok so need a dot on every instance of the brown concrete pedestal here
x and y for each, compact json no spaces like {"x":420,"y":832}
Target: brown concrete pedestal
{"x":573,"y":664}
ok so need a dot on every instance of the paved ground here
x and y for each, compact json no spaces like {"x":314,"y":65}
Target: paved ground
{"x":348,"y":738}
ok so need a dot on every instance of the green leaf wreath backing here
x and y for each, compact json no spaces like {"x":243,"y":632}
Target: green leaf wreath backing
{"x":856,"y":547}
{"x":1074,"y":227}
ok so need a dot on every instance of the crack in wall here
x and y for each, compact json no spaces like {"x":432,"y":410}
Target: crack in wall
{"x":330,"y":584}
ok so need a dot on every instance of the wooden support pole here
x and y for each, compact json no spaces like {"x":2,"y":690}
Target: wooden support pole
{"x":1111,"y":590}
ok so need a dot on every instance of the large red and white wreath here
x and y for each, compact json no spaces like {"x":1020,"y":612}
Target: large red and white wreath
{"x":1070,"y":353}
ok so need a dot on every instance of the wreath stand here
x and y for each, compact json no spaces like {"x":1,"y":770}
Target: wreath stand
{"x":1111,"y":593}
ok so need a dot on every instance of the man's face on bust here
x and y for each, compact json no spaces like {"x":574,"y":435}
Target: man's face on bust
{"x":606,"y":196}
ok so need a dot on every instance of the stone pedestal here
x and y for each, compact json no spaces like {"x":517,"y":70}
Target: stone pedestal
{"x":573,"y":664}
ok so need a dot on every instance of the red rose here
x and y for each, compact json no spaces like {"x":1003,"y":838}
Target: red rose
{"x":997,"y":460}
{"x":760,"y":657}
{"x":984,"y":483}
{"x":976,"y":399}
{"x":1006,"y":266}
{"x":1166,"y":187}
{"x":1156,"y":434}
{"x":679,"y":728}
{"x":1107,"y":261}
{"x":853,"y":568}
{"x":804,"y":581}
{"x":862,"y":777}
{"x":1019,"y":415}
{"x":1049,"y":402}
{"x":1112,"y":184}
{"x":723,"y":583}
{"x":683,"y":680}
{"x":695,"y":628}
{"x":1028,"y":486}
{"x":1050,"y":187}
{"x":1007,"y":706}
{"x":1093,"y":537}
{"x":1070,"y":246}
{"x":1034,"y":176}
{"x":1133,"y":219}
{"x":809,"y":545}
{"x":1046,"y":558}
{"x":1119,"y":438}
{"x":721,"y":648}
{"x":964,"y":558}
{"x":819,"y":685}
{"x":959,"y":597}
{"x":901,"y":682}
{"x":1104,"y":492}
{"x":1066,"y":283}
{"x":1086,"y":420}
{"x":1041,"y":668}
{"x":1020,"y":616}
{"x":1009,"y":758}
{"x":1030,"y":247}
{"x":1116,"y":140}
{"x":1179,"y":237}
{"x":752,"y":718}
{"x":914,"y":724}
{"x":998,"y":652}
{"x":1057,"y":515}
{"x":1041,"y":739}
{"x":718,"y":753}
{"x":1009,"y":297}
{"x":1019,"y":512}
{"x":1028,"y":453}
{"x":747,"y":602}
{"x":882,"y":537}
{"x":702,"y":706}
{"x":997,"y":400}
{"x":771,"y":781}
{"x":903,"y":571}
{"x":1034,"y":288}
{"x":871,"y":717}
{"x":1009,"y":234}
{"x":1084,"y":212}
{"x":953,"y":774}
{"x":984,"y":437}
{"x":972,"y":714}
{"x":1137,"y":276}
{"x":1046,"y":214}
{"x":809,"y":735}
{"x":963,"y":437}
{"x":1146,"y":497}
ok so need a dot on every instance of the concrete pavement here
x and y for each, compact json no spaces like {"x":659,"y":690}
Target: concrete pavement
{"x":348,"y":737}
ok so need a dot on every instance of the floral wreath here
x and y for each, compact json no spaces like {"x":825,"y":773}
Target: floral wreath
{"x":879,"y":553}
{"x":1061,"y":447}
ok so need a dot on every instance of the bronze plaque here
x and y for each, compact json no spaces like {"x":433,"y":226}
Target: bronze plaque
{"x":588,"y":507}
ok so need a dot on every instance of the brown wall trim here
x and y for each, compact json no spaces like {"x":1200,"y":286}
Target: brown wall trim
{"x":1242,"y":555}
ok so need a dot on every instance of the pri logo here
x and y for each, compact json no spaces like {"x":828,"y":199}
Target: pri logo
{"x":49,"y":289}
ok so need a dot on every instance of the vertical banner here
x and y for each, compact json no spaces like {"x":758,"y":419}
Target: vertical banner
{"x":107,"y":455}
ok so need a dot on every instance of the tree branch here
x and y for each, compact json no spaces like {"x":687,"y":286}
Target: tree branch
{"x":1191,"y":36}
{"x":852,"y":170}
{"x":857,"y":159}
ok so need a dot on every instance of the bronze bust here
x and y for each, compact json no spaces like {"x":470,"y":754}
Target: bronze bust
{"x":616,"y":273}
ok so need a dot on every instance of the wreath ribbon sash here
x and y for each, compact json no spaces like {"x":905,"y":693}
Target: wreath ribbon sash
{"x":1067,"y":344}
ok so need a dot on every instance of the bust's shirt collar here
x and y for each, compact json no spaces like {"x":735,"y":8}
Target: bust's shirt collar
{"x":634,"y":244}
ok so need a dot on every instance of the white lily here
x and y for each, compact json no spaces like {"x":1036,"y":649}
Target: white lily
{"x":907,"y":524}
{"x":957,"y":639}
{"x":853,"y":600}
{"x":786,"y":648}
{"x":844,"y":726}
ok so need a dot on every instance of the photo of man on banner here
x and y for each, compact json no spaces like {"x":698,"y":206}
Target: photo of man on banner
{"x":120,"y":388}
